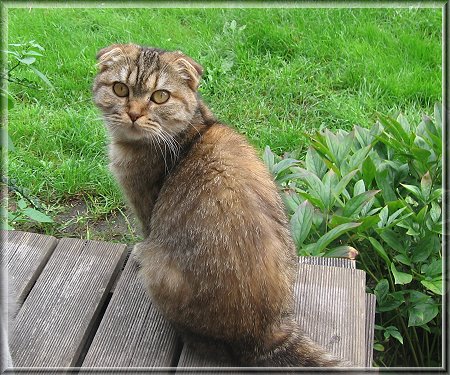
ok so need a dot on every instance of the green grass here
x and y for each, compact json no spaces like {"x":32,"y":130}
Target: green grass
{"x":273,"y":74}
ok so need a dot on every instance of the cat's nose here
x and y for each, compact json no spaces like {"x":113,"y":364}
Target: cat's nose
{"x":134,"y":115}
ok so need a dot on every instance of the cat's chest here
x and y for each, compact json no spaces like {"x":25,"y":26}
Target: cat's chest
{"x":135,"y":164}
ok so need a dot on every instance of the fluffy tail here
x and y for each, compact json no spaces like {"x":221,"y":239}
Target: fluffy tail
{"x":287,"y":346}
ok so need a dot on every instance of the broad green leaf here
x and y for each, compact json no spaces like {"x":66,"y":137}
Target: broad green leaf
{"x":27,"y":60}
{"x":333,"y":146}
{"x":393,"y":331}
{"x":425,"y":185}
{"x":404,"y":124}
{"x":269,"y":158}
{"x":329,"y":180}
{"x":422,"y":313}
{"x":342,"y":252}
{"x":363,"y":136}
{"x":436,"y":195}
{"x":385,"y":183}
{"x":414,"y":190}
{"x":416,"y":297}
{"x":42,"y":76}
{"x":333,"y":234}
{"x":438,"y":118}
{"x":395,"y":215}
{"x":435,"y":285}
{"x":342,"y":184}
{"x":374,"y":211}
{"x":357,"y":159}
{"x":359,"y":187}
{"x":32,"y":43}
{"x":380,"y":250}
{"x":32,"y":53}
{"x":420,"y":153}
{"x":37,"y":215}
{"x":400,"y":277}
{"x":421,"y":215}
{"x":368,"y":171}
{"x":384,"y":214}
{"x":435,"y":212}
{"x":290,"y":200}
{"x":393,"y":143}
{"x":395,"y":128}
{"x":381,"y":290}
{"x":402,"y":258}
{"x":283,"y":165}
{"x":301,"y":222}
{"x":314,"y":163}
{"x":307,"y":250}
{"x":432,"y":269}
{"x":354,"y":206}
{"x":367,"y":223}
{"x":378,"y":347}
{"x":392,"y":301}
{"x":390,"y":237}
{"x":22,"y":204}
{"x":425,"y":247}
{"x":316,"y":186}
{"x":339,"y":146}
{"x":313,"y":199}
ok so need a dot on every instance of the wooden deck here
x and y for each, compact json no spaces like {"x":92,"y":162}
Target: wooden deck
{"x":82,"y":307}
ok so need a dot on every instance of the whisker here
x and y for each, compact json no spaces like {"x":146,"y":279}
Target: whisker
{"x":189,"y":123}
{"x":157,"y":134}
{"x":173,"y":144}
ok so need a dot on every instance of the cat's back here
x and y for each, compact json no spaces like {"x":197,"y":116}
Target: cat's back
{"x":221,"y":196}
{"x":223,"y":171}
{"x":220,"y":221}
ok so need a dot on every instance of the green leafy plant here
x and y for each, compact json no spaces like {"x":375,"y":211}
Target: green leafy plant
{"x":23,"y":212}
{"x":23,"y":208}
{"x":24,"y":56}
{"x":378,"y":192}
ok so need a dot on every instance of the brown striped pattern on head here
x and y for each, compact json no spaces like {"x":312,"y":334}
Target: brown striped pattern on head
{"x":135,"y":116}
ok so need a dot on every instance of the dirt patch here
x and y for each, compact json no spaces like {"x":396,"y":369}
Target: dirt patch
{"x":78,"y":221}
{"x":75,"y":218}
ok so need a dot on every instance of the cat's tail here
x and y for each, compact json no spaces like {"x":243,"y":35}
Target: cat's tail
{"x":286,"y":345}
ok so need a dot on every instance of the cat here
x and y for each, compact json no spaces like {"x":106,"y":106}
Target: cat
{"x":217,"y":256}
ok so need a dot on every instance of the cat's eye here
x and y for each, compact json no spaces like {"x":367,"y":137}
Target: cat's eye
{"x":120,"y":89}
{"x":160,"y":96}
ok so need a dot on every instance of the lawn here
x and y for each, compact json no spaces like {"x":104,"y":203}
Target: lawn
{"x":273,"y":74}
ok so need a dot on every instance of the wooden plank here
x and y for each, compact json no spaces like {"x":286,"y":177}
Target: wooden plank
{"x":26,"y":256}
{"x":132,"y":333}
{"x":330,"y":307}
{"x":325,"y":261}
{"x":197,"y":355}
{"x":371,"y":301}
{"x":54,"y":322}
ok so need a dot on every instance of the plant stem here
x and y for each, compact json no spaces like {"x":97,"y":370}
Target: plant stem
{"x":405,"y":329}
{"x":433,"y":344}
{"x":418,"y":345}
{"x":14,"y":67}
{"x":12,"y":80}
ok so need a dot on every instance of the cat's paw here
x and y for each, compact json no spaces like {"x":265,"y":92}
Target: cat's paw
{"x":136,"y":253}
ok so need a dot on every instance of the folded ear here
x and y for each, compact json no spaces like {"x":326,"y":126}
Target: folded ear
{"x":188,"y":69}
{"x":114,"y":53}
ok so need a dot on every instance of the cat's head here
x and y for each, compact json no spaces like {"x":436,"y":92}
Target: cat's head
{"x":145,"y":93}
